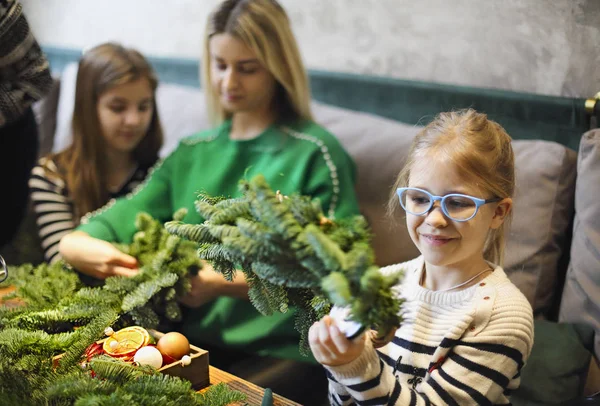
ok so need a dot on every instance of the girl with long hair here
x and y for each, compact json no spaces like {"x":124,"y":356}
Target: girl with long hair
{"x":116,"y":138}
{"x":467,"y":330}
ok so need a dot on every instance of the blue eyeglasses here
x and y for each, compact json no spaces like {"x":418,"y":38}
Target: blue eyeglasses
{"x":455,"y":206}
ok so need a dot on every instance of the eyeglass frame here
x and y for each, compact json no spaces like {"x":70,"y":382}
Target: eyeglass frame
{"x":478,"y":202}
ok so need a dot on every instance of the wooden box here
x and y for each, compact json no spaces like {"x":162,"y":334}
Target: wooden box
{"x":196,"y":372}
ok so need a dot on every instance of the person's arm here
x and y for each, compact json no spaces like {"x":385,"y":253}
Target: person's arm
{"x":208,"y":285}
{"x":478,"y":369}
{"x":52,"y":208}
{"x":88,"y":249}
{"x":94,"y":257}
{"x":332,"y":179}
{"x":24,"y":71}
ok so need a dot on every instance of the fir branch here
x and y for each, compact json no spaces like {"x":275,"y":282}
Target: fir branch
{"x":32,"y":335}
{"x":86,"y":335}
{"x":285,"y":244}
{"x":161,"y":389}
{"x":45,"y":285}
{"x":142,"y":294}
{"x":219,"y":395}
{"x":117,"y":371}
{"x":267,"y":297}
{"x":115,"y":399}
{"x":75,"y":384}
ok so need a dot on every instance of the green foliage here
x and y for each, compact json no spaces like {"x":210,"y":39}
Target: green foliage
{"x":292,"y":255}
{"x":52,"y":284}
{"x":56,"y":301}
{"x":219,"y":395}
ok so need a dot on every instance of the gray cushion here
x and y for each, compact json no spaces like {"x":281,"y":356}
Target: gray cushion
{"x":543,"y":209}
{"x":581,"y":295}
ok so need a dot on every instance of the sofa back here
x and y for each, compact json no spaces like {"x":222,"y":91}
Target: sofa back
{"x":524,"y":115}
{"x":538,"y":237}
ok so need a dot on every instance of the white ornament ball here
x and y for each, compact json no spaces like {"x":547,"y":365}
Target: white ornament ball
{"x":113,"y":345}
{"x":148,"y":356}
{"x":109,"y":331}
{"x":186,"y":360}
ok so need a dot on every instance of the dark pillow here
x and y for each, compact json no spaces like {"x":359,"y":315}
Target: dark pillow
{"x":557,"y":367}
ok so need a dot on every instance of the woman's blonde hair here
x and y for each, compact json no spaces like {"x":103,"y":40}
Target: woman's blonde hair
{"x":482,"y":151}
{"x":264,"y":27}
{"x":83,"y":163}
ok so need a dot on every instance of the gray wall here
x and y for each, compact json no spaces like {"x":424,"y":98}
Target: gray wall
{"x":539,"y":46}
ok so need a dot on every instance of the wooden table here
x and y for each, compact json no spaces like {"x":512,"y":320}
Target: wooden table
{"x":254,"y":393}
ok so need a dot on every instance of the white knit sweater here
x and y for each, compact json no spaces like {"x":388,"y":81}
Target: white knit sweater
{"x":453,"y":348}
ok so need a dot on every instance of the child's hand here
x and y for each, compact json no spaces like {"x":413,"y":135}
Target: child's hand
{"x":95,"y":257}
{"x":330,"y":346}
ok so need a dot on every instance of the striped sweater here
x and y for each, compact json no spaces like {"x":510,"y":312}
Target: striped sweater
{"x":453,"y":348}
{"x":53,"y":206}
{"x":24,"y":71}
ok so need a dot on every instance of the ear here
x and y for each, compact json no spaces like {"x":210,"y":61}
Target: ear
{"x":502,"y":210}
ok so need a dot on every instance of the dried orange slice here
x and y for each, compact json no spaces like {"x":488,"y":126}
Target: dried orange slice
{"x":126,"y":342}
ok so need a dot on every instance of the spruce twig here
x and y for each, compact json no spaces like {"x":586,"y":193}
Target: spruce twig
{"x":292,"y":255}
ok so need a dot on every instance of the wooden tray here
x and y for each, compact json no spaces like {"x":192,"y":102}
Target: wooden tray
{"x":197,"y":372}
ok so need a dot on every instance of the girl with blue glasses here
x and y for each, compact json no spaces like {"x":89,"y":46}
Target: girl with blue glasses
{"x":467,"y":330}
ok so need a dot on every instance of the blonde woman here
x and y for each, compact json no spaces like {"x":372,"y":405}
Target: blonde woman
{"x":468,"y":330}
{"x":116,"y":138}
{"x":259,"y":96}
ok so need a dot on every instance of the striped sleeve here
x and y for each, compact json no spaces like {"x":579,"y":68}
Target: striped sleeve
{"x":338,"y":395}
{"x":479,"y":369}
{"x":52,"y":208}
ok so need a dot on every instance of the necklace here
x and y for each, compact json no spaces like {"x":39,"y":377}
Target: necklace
{"x":488,"y":269}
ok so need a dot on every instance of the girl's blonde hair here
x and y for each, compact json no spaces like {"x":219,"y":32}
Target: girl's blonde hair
{"x":264,"y":27}
{"x":83,"y":163}
{"x":481,"y":150}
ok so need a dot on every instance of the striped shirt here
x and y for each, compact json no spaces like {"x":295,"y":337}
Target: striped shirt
{"x":453,"y":348}
{"x":53,"y":206}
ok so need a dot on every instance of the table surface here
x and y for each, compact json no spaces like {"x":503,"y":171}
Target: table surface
{"x":253,"y":392}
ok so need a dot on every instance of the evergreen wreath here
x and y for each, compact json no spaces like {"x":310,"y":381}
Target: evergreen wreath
{"x":292,"y":255}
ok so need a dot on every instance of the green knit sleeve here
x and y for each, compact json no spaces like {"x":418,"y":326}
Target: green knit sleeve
{"x":115,"y":222}
{"x":332,"y":177}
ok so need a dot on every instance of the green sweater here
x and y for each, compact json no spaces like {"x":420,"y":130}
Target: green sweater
{"x":303,"y":158}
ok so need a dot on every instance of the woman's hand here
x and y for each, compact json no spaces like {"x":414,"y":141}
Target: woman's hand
{"x":205,"y":287}
{"x":95,"y":257}
{"x":208,"y":285}
{"x":330,"y":346}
